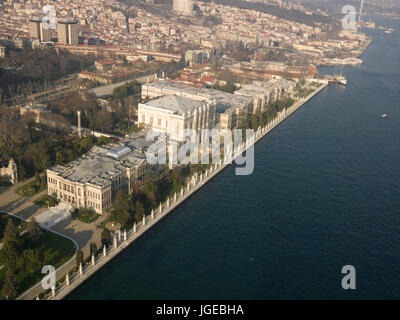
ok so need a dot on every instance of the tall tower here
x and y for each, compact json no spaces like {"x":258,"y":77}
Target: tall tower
{"x":67,"y":31}
{"x":79,"y":124}
{"x":361,"y":10}
{"x":37,"y":31}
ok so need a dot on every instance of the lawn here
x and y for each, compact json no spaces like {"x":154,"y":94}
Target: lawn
{"x":30,"y":189}
{"x":46,"y":201}
{"x":56,"y":251}
{"x":304,"y":92}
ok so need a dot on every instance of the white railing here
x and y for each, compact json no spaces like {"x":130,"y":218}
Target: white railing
{"x":196,"y":182}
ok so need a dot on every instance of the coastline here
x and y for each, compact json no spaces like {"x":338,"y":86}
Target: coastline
{"x":197,"y":182}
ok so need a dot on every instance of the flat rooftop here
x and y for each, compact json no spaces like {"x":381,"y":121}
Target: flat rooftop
{"x":175,"y":104}
{"x":100,"y":165}
{"x":224,"y":100}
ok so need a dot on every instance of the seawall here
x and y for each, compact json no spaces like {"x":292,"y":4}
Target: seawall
{"x":124,"y":239}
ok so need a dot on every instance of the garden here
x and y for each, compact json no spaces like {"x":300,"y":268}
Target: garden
{"x":85,"y":215}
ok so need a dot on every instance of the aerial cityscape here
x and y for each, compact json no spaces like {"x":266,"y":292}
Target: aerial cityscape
{"x":263,"y":131}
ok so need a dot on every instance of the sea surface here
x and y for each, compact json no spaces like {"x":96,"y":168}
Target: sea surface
{"x":325,"y":193}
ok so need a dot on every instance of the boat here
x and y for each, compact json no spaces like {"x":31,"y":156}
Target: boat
{"x":384,"y":115}
{"x":339,"y":78}
{"x":342,"y":80}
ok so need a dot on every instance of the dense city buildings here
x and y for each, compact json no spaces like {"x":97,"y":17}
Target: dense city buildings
{"x":142,"y":28}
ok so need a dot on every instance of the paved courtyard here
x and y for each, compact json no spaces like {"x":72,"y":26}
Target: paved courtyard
{"x":57,"y":220}
{"x":81,"y":232}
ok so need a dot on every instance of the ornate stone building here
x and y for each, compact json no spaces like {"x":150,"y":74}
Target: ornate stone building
{"x":172,"y":114}
{"x":94,"y":179}
{"x":11,"y":171}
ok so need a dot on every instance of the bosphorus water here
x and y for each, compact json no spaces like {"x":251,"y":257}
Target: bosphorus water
{"x":325,"y":193}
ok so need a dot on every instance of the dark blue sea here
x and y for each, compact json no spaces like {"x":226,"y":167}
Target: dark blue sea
{"x":325,"y":193}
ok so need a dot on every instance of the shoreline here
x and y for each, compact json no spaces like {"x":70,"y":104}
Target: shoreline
{"x":125,"y":238}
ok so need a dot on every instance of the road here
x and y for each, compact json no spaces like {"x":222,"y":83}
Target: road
{"x":82,"y":233}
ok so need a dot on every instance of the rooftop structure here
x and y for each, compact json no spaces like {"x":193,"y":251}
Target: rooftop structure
{"x":264,"y":92}
{"x":34,"y":110}
{"x":222,"y":100}
{"x":37,"y":30}
{"x":67,"y":31}
{"x":173,"y":114}
{"x":92,"y":180}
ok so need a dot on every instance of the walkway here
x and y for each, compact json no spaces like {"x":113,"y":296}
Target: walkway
{"x":123,"y":240}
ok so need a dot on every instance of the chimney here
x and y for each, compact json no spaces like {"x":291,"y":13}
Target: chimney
{"x":79,"y":124}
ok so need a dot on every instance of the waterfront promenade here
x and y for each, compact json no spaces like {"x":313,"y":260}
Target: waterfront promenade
{"x":123,"y":239}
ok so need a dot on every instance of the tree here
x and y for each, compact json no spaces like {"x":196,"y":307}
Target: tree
{"x":79,"y":258}
{"x":121,"y":202}
{"x":229,"y":87}
{"x":105,"y":237}
{"x":34,"y":232}
{"x":10,"y":287}
{"x":9,"y":255}
{"x":11,"y":235}
{"x":139,"y":211}
{"x":121,"y":209}
{"x":103,"y":120}
{"x":93,"y":249}
{"x":32,"y":260}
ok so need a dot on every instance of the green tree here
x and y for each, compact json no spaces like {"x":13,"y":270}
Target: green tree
{"x":11,"y":235}
{"x":10,"y":287}
{"x":93,"y":249}
{"x":105,"y":237}
{"x":139,"y":211}
{"x":33,"y":260}
{"x":44,"y":160}
{"x":60,"y":157}
{"x":121,"y":202}
{"x":9,"y":255}
{"x":121,"y":209}
{"x":34,"y":231}
{"x":229,"y":87}
{"x":79,"y":258}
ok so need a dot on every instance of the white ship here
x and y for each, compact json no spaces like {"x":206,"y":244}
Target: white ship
{"x":340,"y":79}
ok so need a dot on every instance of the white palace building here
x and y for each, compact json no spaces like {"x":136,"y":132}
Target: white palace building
{"x":172,"y":114}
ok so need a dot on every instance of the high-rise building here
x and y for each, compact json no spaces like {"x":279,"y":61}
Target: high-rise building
{"x":67,"y":31}
{"x":38,"y":31}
